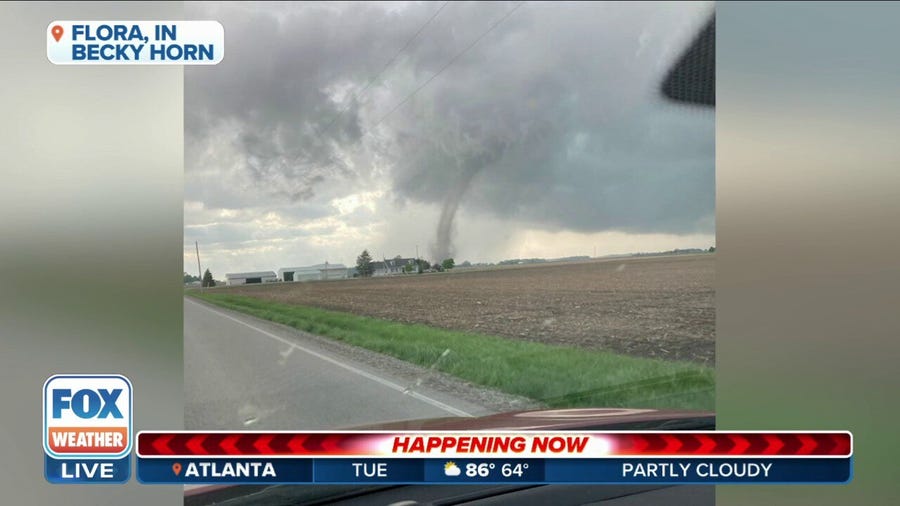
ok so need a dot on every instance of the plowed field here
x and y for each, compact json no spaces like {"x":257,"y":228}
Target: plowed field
{"x":661,"y":307}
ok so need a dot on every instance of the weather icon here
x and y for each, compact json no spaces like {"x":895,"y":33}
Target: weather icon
{"x":451,"y":469}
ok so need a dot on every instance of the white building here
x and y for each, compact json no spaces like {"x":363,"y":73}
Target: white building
{"x":250,"y":278}
{"x":313,"y":272}
{"x":393,"y":266}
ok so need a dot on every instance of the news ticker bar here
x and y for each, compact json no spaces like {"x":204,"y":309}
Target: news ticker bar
{"x":372,"y":444}
{"x":411,"y":471}
{"x":383,"y":457}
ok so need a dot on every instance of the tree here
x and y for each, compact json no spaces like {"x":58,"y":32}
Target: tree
{"x":364,"y":265}
{"x":423,"y":265}
{"x":208,"y":280}
{"x":189,"y":278}
{"x":447,"y":264}
{"x":712,"y":249}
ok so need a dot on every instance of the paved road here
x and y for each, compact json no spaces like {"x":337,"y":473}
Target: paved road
{"x":245,"y":373}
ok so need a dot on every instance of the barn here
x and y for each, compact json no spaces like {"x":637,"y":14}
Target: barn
{"x":250,"y":278}
{"x":313,"y":272}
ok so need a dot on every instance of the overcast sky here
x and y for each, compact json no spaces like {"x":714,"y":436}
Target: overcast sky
{"x":547,"y":138}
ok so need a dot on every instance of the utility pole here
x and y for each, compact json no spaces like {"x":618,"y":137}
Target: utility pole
{"x":199,"y":271}
{"x":418,"y":265}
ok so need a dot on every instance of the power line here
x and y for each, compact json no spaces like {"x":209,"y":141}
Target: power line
{"x":449,"y":62}
{"x":387,"y":65}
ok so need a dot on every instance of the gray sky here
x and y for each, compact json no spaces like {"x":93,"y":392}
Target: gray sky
{"x":547,"y":138}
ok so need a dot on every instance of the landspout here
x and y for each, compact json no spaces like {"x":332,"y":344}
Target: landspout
{"x":443,"y":248}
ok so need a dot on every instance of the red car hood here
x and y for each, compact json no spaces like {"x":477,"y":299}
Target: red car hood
{"x":548,"y":419}
{"x":542,"y":420}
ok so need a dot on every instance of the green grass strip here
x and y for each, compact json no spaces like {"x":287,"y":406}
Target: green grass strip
{"x":558,"y":376}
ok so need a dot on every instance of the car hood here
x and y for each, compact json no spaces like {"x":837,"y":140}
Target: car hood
{"x":540,"y":420}
{"x":545,"y":419}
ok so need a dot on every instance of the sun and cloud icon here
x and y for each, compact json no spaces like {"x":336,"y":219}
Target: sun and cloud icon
{"x":451,"y":469}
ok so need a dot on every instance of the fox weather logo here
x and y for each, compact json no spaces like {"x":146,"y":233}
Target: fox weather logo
{"x":87,"y":428}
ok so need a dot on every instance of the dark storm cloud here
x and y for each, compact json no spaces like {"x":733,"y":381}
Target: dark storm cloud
{"x":552,"y":119}
{"x":273,"y":105}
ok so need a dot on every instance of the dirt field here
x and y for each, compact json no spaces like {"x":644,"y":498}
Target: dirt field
{"x":661,"y":307}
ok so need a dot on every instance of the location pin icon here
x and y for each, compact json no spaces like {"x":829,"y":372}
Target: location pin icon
{"x":57,"y":32}
{"x":176,"y":467}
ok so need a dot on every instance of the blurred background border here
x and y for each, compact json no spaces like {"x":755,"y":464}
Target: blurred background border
{"x":808,"y":206}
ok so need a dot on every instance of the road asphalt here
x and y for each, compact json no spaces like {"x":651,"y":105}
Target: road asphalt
{"x":243,"y":373}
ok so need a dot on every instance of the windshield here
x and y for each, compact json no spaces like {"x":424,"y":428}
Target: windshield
{"x":402,"y":211}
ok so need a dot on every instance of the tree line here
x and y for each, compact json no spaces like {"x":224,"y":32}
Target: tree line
{"x":208,"y":280}
{"x":365,"y":266}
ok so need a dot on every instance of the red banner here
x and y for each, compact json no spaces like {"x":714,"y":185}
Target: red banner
{"x":521,"y":444}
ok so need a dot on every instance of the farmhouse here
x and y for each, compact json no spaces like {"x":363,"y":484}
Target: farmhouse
{"x":249,"y":278}
{"x":313,"y":272}
{"x":393,"y":266}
